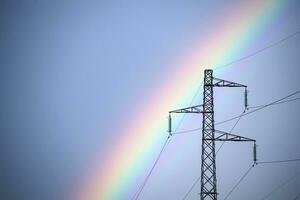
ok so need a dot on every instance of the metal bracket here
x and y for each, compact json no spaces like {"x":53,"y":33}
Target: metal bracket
{"x":192,"y":109}
{"x":224,"y":83}
{"x":224,"y":136}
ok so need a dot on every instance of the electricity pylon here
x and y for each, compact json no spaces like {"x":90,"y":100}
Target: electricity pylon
{"x":208,"y":157}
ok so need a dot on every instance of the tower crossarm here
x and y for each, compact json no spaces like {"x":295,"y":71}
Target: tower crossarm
{"x":223,"y":83}
{"x":191,"y":109}
{"x":224,"y":136}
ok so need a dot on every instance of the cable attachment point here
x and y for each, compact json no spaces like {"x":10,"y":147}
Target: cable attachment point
{"x":254,"y":154}
{"x":246,"y":99}
{"x":170,"y":126}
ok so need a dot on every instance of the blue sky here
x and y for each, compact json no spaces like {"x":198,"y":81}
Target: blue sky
{"x":72,"y":71}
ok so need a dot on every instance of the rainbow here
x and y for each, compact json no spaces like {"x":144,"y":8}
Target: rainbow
{"x":117,"y":177}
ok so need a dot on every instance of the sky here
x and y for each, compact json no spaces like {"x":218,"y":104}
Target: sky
{"x":86,"y":87}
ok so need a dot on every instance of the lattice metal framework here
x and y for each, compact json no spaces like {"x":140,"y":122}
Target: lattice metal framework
{"x":208,"y":157}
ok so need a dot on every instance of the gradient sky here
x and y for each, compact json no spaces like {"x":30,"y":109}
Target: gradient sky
{"x":75,"y":73}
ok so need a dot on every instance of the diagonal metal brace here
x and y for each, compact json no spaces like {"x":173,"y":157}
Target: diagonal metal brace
{"x":192,"y":109}
{"x":223,"y":83}
{"x":224,"y":136}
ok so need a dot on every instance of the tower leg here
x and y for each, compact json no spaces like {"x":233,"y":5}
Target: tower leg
{"x":208,"y":157}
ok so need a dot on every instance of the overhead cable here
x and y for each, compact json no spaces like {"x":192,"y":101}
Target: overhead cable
{"x":288,"y":37}
{"x":281,"y":185}
{"x":279,"y":161}
{"x":239,"y":182}
{"x":244,"y":114}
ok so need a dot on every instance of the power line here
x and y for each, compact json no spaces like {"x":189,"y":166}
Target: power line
{"x":286,"y":101}
{"x":266,"y":162}
{"x":238,"y":60}
{"x":243,"y":58}
{"x":281,"y":186}
{"x":139,"y":191}
{"x":290,"y":36}
{"x":231,"y":130}
{"x":193,"y":130}
{"x":191,"y":188}
{"x":264,"y":106}
{"x":239,"y":182}
{"x":244,"y":114}
{"x":238,"y":117}
{"x":192,"y":101}
{"x":137,"y":194}
{"x":198,"y":179}
{"x":279,"y":161}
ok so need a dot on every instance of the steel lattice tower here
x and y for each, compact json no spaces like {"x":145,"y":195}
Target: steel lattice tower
{"x":208,"y":156}
{"x":208,"y":164}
